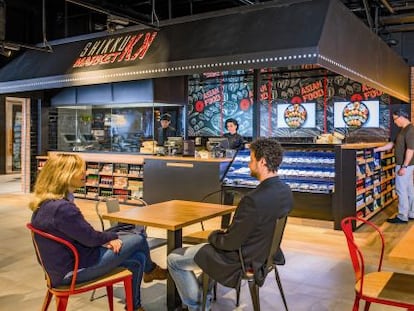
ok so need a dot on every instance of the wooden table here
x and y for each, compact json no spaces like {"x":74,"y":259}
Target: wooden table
{"x":172,"y":216}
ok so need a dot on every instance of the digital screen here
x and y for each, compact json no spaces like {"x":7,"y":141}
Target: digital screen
{"x":218,"y":142}
{"x":88,"y":137}
{"x":356,"y":114}
{"x":296,"y":115}
{"x":70,"y":138}
{"x":176,"y":140}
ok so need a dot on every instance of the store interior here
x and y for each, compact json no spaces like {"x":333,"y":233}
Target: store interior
{"x":296,"y":89}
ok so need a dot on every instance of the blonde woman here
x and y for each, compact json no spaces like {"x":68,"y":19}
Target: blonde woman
{"x":99,"y":252}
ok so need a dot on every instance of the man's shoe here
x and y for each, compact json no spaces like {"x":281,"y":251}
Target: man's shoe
{"x":396,"y":220}
{"x":156,"y":274}
{"x":410,"y":218}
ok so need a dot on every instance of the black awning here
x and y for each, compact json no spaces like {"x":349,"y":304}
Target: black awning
{"x":269,"y":35}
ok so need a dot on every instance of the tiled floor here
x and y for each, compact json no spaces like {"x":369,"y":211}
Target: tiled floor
{"x":317,"y":277}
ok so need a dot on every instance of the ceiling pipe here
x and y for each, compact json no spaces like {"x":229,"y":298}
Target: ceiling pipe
{"x":388,"y":6}
{"x":154,"y":14}
{"x":109,"y":13}
{"x":7,"y":48}
{"x":247,"y":2}
{"x":45,"y":43}
{"x":368,"y":14}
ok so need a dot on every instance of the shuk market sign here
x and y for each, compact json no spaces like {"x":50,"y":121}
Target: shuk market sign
{"x":121,"y":49}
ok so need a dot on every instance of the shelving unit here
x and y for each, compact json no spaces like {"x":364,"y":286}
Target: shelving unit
{"x":122,"y":180}
{"x":103,"y":179}
{"x":373,"y":178}
{"x":166,"y":178}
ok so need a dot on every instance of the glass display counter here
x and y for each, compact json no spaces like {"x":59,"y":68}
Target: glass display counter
{"x":328,"y":182}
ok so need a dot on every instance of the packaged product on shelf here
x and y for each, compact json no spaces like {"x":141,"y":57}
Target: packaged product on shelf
{"x":107,"y":168}
{"x":120,"y":182}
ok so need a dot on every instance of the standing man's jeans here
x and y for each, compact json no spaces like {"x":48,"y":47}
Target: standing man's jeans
{"x":134,"y":255}
{"x":404,"y":188}
{"x":181,"y":267}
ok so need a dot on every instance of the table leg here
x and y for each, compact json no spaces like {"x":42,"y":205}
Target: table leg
{"x":228,"y":199}
{"x":174,"y":240}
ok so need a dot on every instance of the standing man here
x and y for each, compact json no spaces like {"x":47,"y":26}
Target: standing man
{"x":404,"y":150}
{"x":251,"y":230}
{"x":165,"y":130}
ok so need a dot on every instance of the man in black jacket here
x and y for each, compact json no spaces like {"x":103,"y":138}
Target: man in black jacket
{"x":165,"y":130}
{"x":251,"y":229}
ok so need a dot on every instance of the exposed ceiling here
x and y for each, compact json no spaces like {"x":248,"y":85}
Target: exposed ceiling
{"x":25,"y":25}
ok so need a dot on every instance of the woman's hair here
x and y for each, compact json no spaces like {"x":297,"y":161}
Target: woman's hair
{"x":270,"y":150}
{"x":54,"y":179}
{"x":234,"y":121}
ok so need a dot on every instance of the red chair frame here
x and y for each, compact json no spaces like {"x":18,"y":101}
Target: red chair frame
{"x":383,"y":287}
{"x":62,"y":293}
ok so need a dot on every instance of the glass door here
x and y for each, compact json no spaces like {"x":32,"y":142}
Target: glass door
{"x":14,"y":122}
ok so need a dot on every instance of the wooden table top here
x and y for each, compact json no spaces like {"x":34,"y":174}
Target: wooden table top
{"x":171,"y":215}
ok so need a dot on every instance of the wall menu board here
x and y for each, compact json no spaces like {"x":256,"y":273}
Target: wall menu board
{"x":356,"y":114}
{"x":217,"y":96}
{"x":296,"y":115}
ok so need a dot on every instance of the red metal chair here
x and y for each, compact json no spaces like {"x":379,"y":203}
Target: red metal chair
{"x":62,"y":293}
{"x":383,"y":287}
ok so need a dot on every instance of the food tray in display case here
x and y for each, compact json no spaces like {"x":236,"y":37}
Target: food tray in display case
{"x":238,"y":174}
{"x":309,"y":171}
{"x":303,"y":171}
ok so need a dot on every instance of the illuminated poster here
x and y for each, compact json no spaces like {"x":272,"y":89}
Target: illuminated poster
{"x":356,"y":114}
{"x":296,"y":115}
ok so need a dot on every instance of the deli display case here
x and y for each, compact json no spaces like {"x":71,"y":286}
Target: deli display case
{"x":324,"y":178}
{"x":309,"y":170}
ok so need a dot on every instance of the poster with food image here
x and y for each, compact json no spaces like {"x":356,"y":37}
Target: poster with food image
{"x":296,"y":115}
{"x":356,"y":114}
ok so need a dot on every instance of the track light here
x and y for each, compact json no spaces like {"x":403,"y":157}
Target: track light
{"x":391,"y":42}
{"x":11,"y":46}
{"x":5,"y":52}
{"x":117,"y":20}
{"x":7,"y":48}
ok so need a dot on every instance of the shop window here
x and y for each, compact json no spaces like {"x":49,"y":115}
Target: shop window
{"x":110,"y":127}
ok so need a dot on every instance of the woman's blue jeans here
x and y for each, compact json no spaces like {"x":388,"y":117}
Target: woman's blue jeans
{"x":134,"y":255}
{"x":181,"y":266}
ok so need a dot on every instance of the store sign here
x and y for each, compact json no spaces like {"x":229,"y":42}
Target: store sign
{"x":121,"y":49}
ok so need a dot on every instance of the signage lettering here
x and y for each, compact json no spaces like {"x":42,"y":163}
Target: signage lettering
{"x":370,"y":92}
{"x":312,"y":91}
{"x":211,"y":96}
{"x":121,"y":49}
{"x":264,"y":94}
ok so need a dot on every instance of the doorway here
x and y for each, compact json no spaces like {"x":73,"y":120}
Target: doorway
{"x":14,"y":122}
{"x":18,"y":139}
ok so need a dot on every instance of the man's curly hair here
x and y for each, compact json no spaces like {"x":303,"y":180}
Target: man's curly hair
{"x":270,"y":150}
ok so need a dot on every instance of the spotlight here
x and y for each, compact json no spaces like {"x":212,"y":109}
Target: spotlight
{"x":117,"y":20}
{"x":5,"y":52}
{"x":391,"y":42}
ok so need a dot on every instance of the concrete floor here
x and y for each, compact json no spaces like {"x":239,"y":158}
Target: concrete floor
{"x":317,"y":276}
